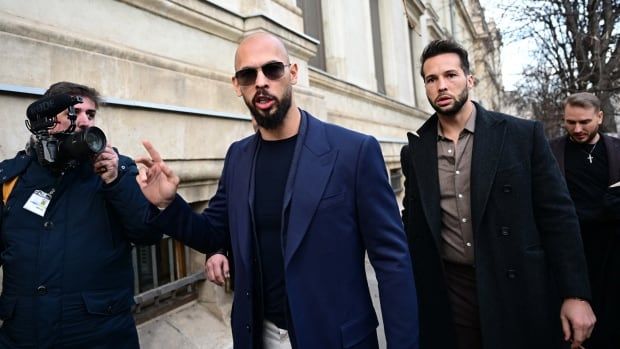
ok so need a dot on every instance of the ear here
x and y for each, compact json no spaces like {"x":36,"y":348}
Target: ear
{"x":600,"y":117}
{"x":294,"y":71}
{"x":236,"y":86}
{"x":471,"y":81}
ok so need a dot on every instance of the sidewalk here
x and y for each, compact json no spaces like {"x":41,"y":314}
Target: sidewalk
{"x":193,"y":326}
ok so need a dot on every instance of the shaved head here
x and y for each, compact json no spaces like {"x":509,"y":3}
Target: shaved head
{"x":260,"y":39}
{"x":264,"y":77}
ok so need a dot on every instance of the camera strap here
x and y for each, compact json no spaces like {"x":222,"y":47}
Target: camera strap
{"x":7,"y":188}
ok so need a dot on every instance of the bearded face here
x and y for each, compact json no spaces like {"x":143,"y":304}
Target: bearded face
{"x":448,"y":105}
{"x":268,"y":110}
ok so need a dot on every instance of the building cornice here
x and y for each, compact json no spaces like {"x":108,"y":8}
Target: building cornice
{"x":201,"y":15}
{"x":51,"y":35}
{"x":466,"y":16}
{"x":215,"y":20}
{"x":329,"y":82}
{"x":413,"y":10}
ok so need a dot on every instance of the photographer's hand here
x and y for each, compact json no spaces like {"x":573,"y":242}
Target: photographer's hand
{"x":157,"y":181}
{"x":105,"y":164}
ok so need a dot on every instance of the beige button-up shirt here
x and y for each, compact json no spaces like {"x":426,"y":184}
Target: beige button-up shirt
{"x":454,"y":165}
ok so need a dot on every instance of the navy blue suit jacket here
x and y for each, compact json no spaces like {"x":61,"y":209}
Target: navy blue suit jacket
{"x":339,"y":205}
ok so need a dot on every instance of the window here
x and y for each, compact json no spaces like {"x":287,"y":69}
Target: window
{"x":156,"y":265}
{"x":414,"y":68}
{"x":313,"y":26}
{"x":161,"y":280}
{"x":376,"y":42}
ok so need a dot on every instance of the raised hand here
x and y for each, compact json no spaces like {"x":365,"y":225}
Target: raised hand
{"x":156,"y":180}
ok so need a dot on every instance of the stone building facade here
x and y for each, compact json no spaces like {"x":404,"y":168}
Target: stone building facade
{"x":165,"y":67}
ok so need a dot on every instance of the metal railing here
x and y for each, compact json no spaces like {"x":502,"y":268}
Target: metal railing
{"x":160,"y":272}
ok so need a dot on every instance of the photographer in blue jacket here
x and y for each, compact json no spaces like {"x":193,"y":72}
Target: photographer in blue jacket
{"x":71,"y":210}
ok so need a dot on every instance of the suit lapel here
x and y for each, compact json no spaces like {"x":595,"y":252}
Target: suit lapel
{"x":424,"y":157}
{"x":488,"y":144}
{"x":243,"y":187}
{"x":312,"y":164}
{"x":613,"y":156}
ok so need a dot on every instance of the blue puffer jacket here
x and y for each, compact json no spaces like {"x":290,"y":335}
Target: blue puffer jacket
{"x":68,"y":278}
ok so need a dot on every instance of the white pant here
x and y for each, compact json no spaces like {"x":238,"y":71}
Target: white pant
{"x":274,"y":337}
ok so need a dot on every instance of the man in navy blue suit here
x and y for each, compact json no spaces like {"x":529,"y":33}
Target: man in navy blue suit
{"x":299,"y":204}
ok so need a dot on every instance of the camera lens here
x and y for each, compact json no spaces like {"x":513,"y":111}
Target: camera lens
{"x":95,"y":139}
{"x":82,"y":145}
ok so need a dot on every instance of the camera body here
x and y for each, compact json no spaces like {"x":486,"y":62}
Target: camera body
{"x":65,"y":148}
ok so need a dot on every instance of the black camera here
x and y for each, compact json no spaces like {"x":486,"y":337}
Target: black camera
{"x":66,"y":147}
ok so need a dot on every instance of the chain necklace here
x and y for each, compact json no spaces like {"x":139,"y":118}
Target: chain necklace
{"x":590,"y":157}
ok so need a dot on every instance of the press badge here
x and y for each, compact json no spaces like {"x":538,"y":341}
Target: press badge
{"x":38,"y":202}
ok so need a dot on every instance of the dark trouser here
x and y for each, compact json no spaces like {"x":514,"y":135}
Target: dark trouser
{"x":601,"y":244}
{"x":468,"y":337}
{"x":461,"y":283}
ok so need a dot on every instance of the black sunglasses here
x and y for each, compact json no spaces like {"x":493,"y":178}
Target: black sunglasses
{"x":271,"y":70}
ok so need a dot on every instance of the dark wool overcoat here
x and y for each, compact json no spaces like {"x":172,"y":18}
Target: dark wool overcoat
{"x":528,"y":252}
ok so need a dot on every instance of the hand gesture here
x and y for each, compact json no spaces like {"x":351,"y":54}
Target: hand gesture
{"x":156,"y":180}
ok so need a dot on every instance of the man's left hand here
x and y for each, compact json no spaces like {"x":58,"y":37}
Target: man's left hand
{"x":106,"y":164}
{"x":217,"y":269}
{"x":577,"y":321}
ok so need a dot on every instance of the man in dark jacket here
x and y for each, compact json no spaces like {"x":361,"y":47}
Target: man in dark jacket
{"x":590,"y":162}
{"x":67,"y":229}
{"x":493,"y":234}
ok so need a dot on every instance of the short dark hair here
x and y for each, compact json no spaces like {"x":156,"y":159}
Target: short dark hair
{"x":438,"y":47}
{"x":583,"y":100}
{"x":73,"y":89}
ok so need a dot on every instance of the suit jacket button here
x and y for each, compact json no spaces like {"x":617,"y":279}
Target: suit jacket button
{"x":109,"y":309}
{"x":48,"y":225}
{"x":511,"y":274}
{"x":247,"y":294}
{"x":248,"y":327}
{"x":42,"y":290}
{"x":505,"y":231}
{"x":507,"y":188}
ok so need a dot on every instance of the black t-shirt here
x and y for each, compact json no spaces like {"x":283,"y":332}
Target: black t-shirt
{"x":587,"y":181}
{"x":271,"y":172}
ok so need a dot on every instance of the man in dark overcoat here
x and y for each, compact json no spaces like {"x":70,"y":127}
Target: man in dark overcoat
{"x":590,"y":162}
{"x":492,"y":231}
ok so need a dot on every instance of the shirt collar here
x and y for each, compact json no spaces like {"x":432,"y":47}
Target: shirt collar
{"x":470,"y":125}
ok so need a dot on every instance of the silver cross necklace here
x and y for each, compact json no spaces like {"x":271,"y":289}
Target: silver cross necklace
{"x":590,"y":157}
